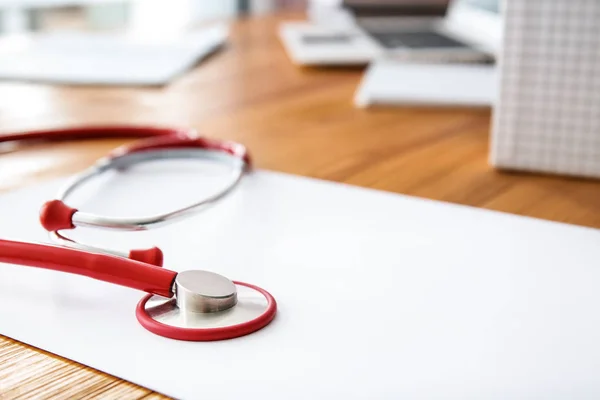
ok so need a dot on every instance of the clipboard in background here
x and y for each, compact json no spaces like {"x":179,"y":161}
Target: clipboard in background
{"x":547,"y":119}
{"x":82,"y":58}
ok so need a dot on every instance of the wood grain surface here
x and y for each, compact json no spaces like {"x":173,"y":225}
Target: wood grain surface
{"x":296,"y":120}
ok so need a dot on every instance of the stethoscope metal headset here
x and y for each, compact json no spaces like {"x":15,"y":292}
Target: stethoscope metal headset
{"x":190,"y":305}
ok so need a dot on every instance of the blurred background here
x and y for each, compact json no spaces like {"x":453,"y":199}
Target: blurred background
{"x":28,"y":15}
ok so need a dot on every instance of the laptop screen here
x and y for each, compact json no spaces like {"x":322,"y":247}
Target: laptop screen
{"x":363,"y":8}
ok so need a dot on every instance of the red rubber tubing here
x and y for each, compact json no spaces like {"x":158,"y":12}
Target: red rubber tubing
{"x":184,"y":141}
{"x":94,"y":132}
{"x":158,"y":138}
{"x":107,"y":268}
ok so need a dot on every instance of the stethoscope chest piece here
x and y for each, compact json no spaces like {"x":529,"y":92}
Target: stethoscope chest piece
{"x":206,"y":307}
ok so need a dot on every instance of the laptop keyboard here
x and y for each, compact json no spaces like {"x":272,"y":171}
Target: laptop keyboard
{"x":328,"y":39}
{"x":415,"y":40}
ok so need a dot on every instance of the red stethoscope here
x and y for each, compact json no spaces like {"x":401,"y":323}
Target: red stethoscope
{"x":192,"y":305}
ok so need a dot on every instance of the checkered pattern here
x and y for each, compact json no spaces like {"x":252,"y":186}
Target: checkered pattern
{"x":547,"y":118}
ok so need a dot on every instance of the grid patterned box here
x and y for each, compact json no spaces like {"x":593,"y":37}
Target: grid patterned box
{"x":547,"y":117}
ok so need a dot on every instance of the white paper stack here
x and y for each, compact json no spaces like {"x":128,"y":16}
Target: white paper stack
{"x":392,"y":82}
{"x":106,"y":59}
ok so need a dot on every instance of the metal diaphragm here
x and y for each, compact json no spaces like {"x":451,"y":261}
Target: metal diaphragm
{"x":254,"y":309}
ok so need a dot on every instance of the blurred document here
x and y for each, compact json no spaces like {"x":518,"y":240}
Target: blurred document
{"x":391,"y":82}
{"x":106,"y":59}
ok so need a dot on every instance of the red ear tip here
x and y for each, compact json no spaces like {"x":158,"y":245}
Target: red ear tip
{"x":152,"y":256}
{"x":248,"y":161}
{"x":56,"y":215}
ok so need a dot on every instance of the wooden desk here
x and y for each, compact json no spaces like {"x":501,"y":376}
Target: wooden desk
{"x":294,"y":120}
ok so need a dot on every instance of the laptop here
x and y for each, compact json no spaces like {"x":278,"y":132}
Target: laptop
{"x":356,"y":32}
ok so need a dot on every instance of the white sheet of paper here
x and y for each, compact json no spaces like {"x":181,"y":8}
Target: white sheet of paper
{"x":106,"y":59}
{"x":392,"y":82}
{"x":380,"y":295}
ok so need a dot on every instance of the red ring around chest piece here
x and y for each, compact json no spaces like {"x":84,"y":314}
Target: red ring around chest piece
{"x":208,"y":334}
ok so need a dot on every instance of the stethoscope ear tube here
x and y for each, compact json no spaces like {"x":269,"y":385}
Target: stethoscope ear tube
{"x":56,"y":215}
{"x":236,"y":150}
